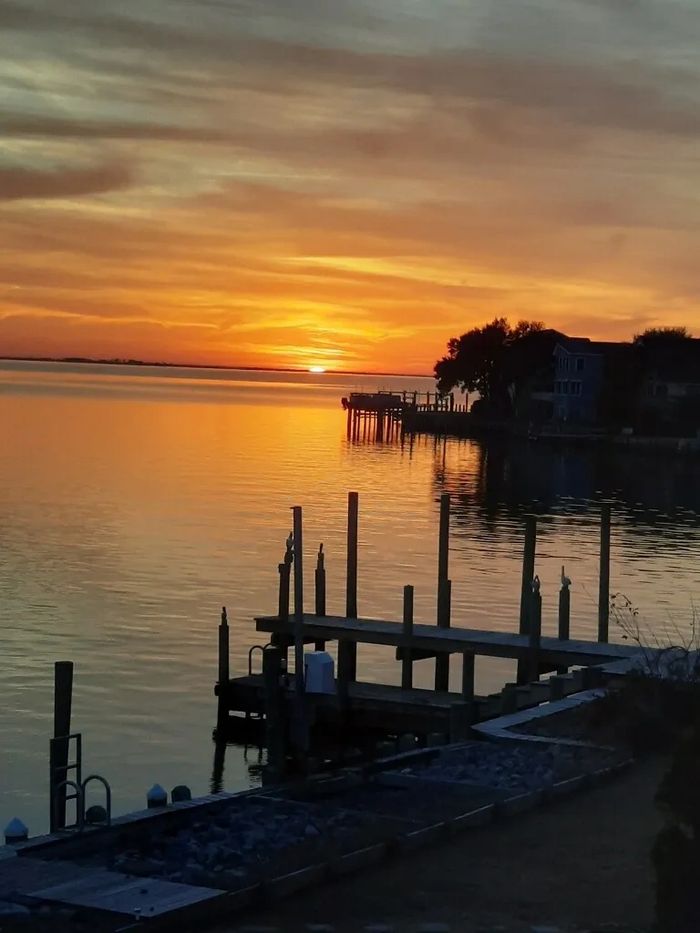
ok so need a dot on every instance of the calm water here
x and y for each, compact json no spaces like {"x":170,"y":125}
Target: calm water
{"x":135,"y":502}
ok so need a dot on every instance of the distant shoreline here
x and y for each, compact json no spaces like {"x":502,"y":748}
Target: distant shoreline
{"x":162,"y":365}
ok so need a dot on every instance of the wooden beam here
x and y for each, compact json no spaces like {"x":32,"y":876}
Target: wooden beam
{"x":453,"y":640}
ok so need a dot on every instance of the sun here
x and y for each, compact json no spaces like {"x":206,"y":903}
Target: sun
{"x":317,"y":369}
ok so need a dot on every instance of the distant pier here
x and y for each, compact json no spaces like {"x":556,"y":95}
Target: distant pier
{"x":382,"y":414}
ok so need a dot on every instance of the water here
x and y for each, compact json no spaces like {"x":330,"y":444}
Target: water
{"x":134,"y":503}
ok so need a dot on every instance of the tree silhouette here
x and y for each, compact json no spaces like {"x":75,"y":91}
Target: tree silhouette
{"x":492,"y":359}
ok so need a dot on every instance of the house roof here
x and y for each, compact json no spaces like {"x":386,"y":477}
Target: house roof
{"x":584,"y":346}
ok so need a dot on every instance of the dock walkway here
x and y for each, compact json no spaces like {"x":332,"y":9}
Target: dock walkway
{"x":429,"y":638}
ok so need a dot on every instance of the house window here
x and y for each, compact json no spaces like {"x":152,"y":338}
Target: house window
{"x":575,"y":388}
{"x":579,"y":364}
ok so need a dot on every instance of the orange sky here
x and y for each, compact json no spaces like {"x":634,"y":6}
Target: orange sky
{"x":297,"y":182}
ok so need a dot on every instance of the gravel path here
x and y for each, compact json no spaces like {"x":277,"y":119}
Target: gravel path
{"x":580,"y":864}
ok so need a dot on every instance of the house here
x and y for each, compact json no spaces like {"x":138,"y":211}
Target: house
{"x":585,"y":374}
{"x":670,"y":393}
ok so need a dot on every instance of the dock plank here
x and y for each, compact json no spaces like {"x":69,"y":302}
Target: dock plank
{"x":453,"y":640}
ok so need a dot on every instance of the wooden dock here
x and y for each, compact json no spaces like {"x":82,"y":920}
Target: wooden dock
{"x":380,"y":414}
{"x":292,"y":711}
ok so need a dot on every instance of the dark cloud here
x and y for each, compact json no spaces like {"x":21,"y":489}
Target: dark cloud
{"x":17,"y":183}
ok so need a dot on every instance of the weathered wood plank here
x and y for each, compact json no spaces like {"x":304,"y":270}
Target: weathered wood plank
{"x":454,"y":640}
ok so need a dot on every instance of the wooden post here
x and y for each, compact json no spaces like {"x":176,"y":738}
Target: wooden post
{"x":223,"y":679}
{"x":535,"y":632}
{"x":444,"y":539}
{"x":407,"y":662}
{"x":275,"y":733}
{"x":223,"y":648}
{"x":320,"y":581}
{"x":526,"y":587}
{"x":442,"y":661}
{"x":509,"y":699}
{"x":564,"y":615}
{"x":351,"y":586}
{"x":62,"y":704}
{"x":283,"y":608}
{"x":604,"y":583}
{"x":528,"y":570}
{"x":298,"y":601}
{"x":556,"y":688}
{"x":347,"y":650}
{"x":468,"y":675}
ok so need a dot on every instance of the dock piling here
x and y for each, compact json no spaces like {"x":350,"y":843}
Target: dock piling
{"x":604,"y":582}
{"x":223,"y":647}
{"x":320,"y":591}
{"x":274,"y":709}
{"x":347,"y":650}
{"x":62,"y":704}
{"x":407,"y":662}
{"x":564,"y":614}
{"x":224,"y":672}
{"x":444,"y":590}
{"x":298,"y":601}
{"x":444,"y":538}
{"x":285,"y":574}
{"x":526,"y":587}
{"x":468,"y":675}
{"x":535,"y":625}
{"x":442,"y":661}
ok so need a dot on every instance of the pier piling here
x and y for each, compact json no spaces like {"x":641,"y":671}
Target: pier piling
{"x":407,"y":662}
{"x":347,"y":650}
{"x":564,"y":614}
{"x":604,"y":582}
{"x":62,"y":704}
{"x":444,"y":590}
{"x":274,"y":709}
{"x":526,"y":587}
{"x":320,"y":591}
{"x":442,"y":661}
{"x":224,"y":672}
{"x":468,"y":676}
{"x":535,"y":626}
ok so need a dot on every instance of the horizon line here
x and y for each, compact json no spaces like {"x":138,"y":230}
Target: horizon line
{"x":261,"y":369}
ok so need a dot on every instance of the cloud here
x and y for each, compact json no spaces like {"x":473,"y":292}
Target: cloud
{"x":17,"y":183}
{"x":377,"y":174}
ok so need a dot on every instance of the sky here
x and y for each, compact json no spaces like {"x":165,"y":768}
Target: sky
{"x":343,"y":183}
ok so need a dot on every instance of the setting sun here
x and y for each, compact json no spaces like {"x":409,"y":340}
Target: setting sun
{"x":317,"y":369}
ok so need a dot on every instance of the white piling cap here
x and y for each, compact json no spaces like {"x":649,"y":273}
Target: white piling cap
{"x":157,"y":794}
{"x":16,"y":829}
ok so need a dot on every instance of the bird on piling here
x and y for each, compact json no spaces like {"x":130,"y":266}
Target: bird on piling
{"x":565,"y":581}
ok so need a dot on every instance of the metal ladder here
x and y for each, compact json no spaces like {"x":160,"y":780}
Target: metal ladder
{"x":60,"y":783}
